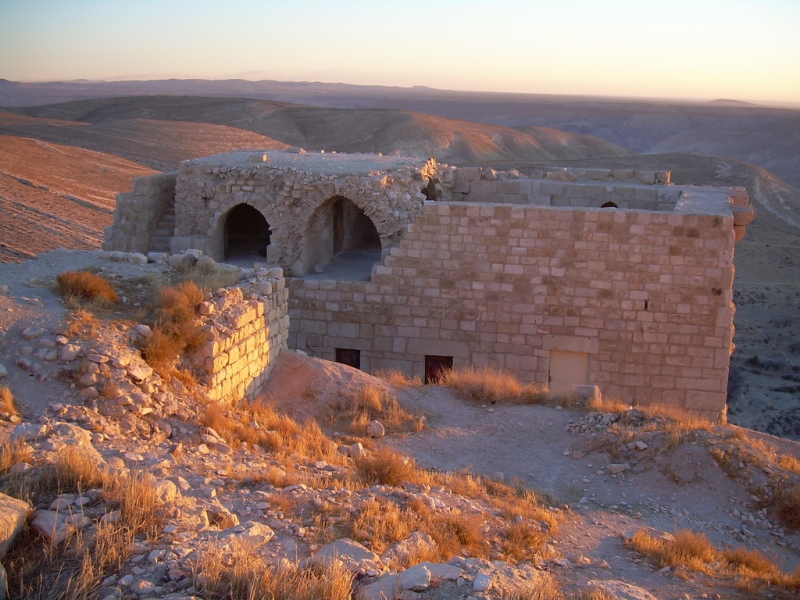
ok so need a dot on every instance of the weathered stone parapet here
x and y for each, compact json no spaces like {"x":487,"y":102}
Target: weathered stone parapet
{"x":138,"y":212}
{"x":248,"y":325}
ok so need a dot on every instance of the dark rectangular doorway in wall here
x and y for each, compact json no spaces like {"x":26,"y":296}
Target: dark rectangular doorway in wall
{"x":436,"y":366}
{"x":349,"y":357}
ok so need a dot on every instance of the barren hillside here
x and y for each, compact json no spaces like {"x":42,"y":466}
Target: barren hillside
{"x":343,"y":130}
{"x":55,"y":196}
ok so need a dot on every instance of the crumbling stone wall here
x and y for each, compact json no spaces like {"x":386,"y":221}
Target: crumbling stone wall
{"x":137,"y":213}
{"x":248,"y":326}
{"x":647,"y":295}
{"x":288,"y":198}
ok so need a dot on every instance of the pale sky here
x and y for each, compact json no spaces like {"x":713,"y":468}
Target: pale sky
{"x":696,"y":49}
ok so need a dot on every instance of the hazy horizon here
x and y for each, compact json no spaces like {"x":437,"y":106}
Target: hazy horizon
{"x":699,"y":50}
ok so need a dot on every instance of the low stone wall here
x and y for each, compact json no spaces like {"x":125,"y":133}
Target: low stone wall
{"x":647,"y":296}
{"x":137,"y":213}
{"x":626,"y":188}
{"x":248,"y":326}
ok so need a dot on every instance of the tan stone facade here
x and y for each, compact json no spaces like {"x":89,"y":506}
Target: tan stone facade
{"x":617,"y":274}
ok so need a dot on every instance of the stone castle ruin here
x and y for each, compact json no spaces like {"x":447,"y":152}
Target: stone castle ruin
{"x":615,"y":278}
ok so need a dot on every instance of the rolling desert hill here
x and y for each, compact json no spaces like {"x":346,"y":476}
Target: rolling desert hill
{"x":160,"y":145}
{"x":342,"y":130}
{"x":762,"y":135}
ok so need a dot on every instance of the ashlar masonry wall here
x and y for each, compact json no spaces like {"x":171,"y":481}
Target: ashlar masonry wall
{"x":248,"y":327}
{"x":647,"y":295}
{"x":137,"y":213}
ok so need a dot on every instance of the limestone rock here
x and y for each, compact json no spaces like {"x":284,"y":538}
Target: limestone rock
{"x":357,"y":450}
{"x":418,"y":543}
{"x":50,"y":524}
{"x":70,"y":352}
{"x":620,"y":590}
{"x":3,"y":371}
{"x":26,"y":432}
{"x":137,"y":258}
{"x":13,"y":514}
{"x":482,"y":583}
{"x":375,"y":429}
{"x":416,"y":578}
{"x":355,"y":557}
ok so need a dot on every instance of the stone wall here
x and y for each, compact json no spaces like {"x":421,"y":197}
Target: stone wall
{"x":646,"y":295}
{"x":290,"y":200}
{"x":626,"y":188}
{"x":249,"y":326}
{"x":137,"y":213}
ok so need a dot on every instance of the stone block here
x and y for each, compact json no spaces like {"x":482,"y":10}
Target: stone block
{"x":13,"y":515}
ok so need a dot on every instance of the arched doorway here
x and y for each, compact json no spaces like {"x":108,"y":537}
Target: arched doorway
{"x":246,"y":234}
{"x":341,"y":242}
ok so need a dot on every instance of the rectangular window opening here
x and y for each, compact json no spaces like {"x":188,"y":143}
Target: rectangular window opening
{"x":349,"y":357}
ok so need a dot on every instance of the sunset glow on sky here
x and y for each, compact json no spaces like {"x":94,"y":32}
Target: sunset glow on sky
{"x":697,"y":49}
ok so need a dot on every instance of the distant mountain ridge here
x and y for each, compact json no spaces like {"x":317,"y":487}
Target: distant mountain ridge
{"x":344,"y":130}
{"x":758,"y":134}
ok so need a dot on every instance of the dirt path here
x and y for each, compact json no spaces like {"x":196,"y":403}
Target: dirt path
{"x":678,"y":489}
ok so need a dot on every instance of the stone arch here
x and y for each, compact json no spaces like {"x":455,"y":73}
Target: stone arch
{"x":336,"y":226}
{"x":246,"y":233}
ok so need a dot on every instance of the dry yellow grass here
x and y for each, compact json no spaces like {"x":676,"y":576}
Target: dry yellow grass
{"x":174,"y":328}
{"x":7,"y":404}
{"x":81,"y":323}
{"x":260,"y":424}
{"x":786,"y":504}
{"x":398,"y":379}
{"x":357,"y":409}
{"x":694,"y":551}
{"x":75,"y":568}
{"x":85,"y":286}
{"x":240,"y":573}
{"x":489,"y":384}
{"x":385,"y":466}
{"x":13,"y":453}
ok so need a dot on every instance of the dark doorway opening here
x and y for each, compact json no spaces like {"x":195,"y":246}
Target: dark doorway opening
{"x":349,"y":357}
{"x":246,"y":233}
{"x":609,"y":205}
{"x":436,"y":367}
{"x":342,"y":242}
{"x":352,"y":229}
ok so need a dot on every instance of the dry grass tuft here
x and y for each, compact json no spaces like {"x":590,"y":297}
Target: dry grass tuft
{"x":260,"y":424}
{"x":7,"y":404}
{"x":522,"y":540}
{"x":490,"y":384}
{"x":240,"y":573}
{"x":13,"y":453}
{"x":385,"y":466}
{"x":399,"y":379}
{"x":695,"y":551}
{"x":357,"y":409}
{"x":75,"y":568}
{"x":81,"y":324}
{"x":174,"y":328}
{"x":85,"y":286}
{"x":790,"y":463}
{"x":786,"y":504}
